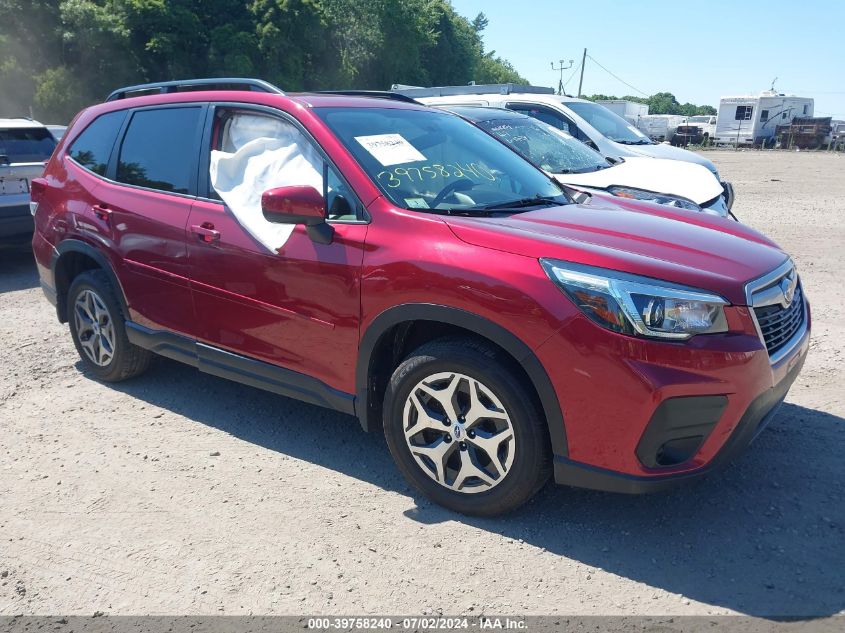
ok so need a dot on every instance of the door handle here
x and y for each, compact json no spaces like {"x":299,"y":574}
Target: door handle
{"x":205,"y":233}
{"x":102,"y":212}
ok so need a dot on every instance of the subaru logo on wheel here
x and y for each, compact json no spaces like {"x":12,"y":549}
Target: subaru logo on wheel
{"x":787,"y":287}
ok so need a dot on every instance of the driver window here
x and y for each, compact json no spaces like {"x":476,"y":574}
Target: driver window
{"x":254,"y":152}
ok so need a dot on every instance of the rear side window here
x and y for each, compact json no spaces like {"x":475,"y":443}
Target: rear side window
{"x":549,"y":117}
{"x":159,"y":150}
{"x":26,"y":145}
{"x":93,"y":147}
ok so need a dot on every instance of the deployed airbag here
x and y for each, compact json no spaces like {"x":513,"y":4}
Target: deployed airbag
{"x":262,"y":153}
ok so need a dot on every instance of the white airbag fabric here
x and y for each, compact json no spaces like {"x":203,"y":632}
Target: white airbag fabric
{"x":266,"y":153}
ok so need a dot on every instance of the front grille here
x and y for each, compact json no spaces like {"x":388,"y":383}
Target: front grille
{"x":778,"y":324}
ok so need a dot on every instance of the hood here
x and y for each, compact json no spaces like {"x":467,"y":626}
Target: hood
{"x":674,"y":177}
{"x":664,"y":150}
{"x":693,"y":249}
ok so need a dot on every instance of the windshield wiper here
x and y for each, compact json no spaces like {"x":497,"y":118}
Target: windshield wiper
{"x":523,"y":202}
{"x":468,"y":211}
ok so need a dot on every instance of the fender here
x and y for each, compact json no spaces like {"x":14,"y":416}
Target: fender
{"x":523,"y":354}
{"x":78,"y":246}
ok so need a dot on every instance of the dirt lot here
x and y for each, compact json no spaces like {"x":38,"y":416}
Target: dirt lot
{"x":182,"y":493}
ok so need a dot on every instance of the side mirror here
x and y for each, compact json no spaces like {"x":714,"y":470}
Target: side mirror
{"x":298,"y":205}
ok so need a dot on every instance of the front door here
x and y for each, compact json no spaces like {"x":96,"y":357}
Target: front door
{"x":284,"y":300}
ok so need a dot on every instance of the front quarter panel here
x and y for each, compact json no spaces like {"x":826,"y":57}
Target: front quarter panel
{"x":414,"y":257}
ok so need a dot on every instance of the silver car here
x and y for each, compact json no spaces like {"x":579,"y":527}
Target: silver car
{"x":25,"y":145}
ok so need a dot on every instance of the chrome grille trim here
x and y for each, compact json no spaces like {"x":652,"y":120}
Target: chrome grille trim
{"x":780,"y":328}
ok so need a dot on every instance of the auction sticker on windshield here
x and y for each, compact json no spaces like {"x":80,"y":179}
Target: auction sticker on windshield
{"x":390,"y":149}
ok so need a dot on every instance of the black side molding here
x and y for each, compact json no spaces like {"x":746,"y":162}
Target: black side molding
{"x":367,"y":410}
{"x":242,"y":369}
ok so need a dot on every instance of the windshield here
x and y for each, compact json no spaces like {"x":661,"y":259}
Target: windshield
{"x":26,"y":145}
{"x":699,"y":119}
{"x":609,"y":124}
{"x":547,"y":147}
{"x":425,"y":159}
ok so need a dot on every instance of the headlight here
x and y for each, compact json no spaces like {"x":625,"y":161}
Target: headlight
{"x":638,"y":306}
{"x":658,"y":198}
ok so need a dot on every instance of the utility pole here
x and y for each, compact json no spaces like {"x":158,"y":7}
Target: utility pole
{"x":561,"y":69}
{"x":581,"y":81}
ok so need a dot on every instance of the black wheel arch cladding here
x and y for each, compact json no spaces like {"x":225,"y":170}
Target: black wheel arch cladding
{"x":367,"y":409}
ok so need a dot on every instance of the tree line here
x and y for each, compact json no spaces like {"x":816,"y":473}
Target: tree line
{"x":662,"y":103}
{"x":57,"y":56}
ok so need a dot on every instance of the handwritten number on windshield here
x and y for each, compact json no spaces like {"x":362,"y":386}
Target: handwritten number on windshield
{"x":393,"y":177}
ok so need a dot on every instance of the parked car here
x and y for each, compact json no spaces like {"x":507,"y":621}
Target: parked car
{"x":607,"y":133}
{"x":687,"y":135}
{"x":58,"y":131}
{"x":25,"y":145}
{"x":396,"y":263}
{"x":671,"y":182}
{"x":659,"y":127}
{"x":705,"y":122}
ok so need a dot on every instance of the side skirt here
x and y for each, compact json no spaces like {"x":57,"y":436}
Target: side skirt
{"x":242,"y":369}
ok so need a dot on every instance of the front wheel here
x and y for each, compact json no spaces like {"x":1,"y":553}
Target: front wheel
{"x":464,"y":429}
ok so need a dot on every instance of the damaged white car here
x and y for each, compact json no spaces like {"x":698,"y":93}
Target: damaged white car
{"x":671,"y":182}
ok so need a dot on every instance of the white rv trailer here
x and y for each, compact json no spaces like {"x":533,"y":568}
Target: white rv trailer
{"x":631,"y":111}
{"x":752,"y":120}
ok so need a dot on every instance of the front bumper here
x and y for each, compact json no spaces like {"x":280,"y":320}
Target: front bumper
{"x":644,"y":415}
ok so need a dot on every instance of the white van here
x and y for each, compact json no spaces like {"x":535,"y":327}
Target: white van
{"x":589,"y":122}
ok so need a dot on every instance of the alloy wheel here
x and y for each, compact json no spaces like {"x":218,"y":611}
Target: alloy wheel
{"x":459,"y":432}
{"x":94,"y":328}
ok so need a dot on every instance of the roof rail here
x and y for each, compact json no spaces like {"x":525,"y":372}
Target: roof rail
{"x":190,"y":85}
{"x":378,"y":94}
{"x":472,"y":89}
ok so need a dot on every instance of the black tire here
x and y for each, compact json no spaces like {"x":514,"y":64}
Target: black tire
{"x":531,"y":466}
{"x":127,"y":360}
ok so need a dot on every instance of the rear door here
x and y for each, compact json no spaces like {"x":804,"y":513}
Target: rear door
{"x":143,"y":207}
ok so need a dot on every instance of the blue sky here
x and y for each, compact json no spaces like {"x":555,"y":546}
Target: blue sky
{"x":727,"y":48}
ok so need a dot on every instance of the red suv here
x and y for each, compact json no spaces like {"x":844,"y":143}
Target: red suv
{"x":395,"y":263}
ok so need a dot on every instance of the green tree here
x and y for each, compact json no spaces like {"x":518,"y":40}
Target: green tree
{"x":663,"y":103}
{"x":57,"y":56}
{"x":288,"y":40}
{"x":660,"y":103}
{"x":479,"y":23}
{"x":495,"y":70}
{"x":58,"y":93}
{"x":453,"y":56}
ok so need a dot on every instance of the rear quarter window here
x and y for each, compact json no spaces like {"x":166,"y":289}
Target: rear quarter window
{"x":26,"y":145}
{"x":92,"y":148}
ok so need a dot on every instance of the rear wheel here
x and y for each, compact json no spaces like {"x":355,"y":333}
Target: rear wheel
{"x":464,"y":429}
{"x":98,"y":330}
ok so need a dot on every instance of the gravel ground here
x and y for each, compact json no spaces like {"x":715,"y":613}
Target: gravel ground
{"x":179,"y":492}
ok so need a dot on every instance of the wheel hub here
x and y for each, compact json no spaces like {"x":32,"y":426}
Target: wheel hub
{"x":94,"y":328}
{"x":459,"y":432}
